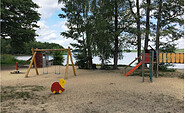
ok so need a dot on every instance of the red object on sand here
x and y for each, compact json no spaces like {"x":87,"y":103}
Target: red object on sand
{"x":17,"y":66}
{"x":56,"y":87}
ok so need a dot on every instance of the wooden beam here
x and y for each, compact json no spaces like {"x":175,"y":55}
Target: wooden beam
{"x":72,"y":62}
{"x":35,"y":65}
{"x":33,"y":57}
{"x":50,"y":49}
{"x":67,"y":65}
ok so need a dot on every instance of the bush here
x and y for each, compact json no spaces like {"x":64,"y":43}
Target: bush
{"x":9,"y":59}
{"x":58,"y":57}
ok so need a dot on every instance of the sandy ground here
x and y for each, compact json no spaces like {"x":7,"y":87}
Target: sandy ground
{"x":91,"y":91}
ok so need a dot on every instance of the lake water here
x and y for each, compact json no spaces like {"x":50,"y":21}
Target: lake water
{"x":128,"y":57}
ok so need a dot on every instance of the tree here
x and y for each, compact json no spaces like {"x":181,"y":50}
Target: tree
{"x":137,"y":17}
{"x":158,"y":25}
{"x":147,"y":23}
{"x":80,"y":27}
{"x":18,"y":20}
{"x":103,"y":38}
{"x":58,"y":57}
{"x":123,"y":21}
{"x":170,"y":25}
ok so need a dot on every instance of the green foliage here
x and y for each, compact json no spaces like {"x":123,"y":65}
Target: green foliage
{"x":58,"y":58}
{"x":7,"y":49}
{"x":81,"y":62}
{"x":179,"y":51}
{"x":18,"y":20}
{"x":91,"y":24}
{"x":7,"y":59}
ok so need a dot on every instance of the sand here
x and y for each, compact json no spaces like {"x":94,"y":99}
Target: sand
{"x":91,"y":91}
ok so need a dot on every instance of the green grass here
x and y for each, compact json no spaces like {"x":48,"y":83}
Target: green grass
{"x":7,"y":59}
{"x":129,"y":51}
{"x":179,"y":51}
{"x":19,"y":92}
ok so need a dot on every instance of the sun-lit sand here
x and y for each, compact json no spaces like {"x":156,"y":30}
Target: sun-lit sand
{"x":97,"y":91}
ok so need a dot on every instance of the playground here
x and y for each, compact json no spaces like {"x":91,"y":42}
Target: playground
{"x":91,"y":91}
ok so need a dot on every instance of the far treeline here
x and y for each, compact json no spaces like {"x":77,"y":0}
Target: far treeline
{"x":105,"y":28}
{"x":6,"y":47}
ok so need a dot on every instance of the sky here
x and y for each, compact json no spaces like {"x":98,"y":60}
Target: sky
{"x":51,"y":25}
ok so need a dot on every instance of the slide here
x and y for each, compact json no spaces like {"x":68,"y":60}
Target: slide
{"x":133,"y":69}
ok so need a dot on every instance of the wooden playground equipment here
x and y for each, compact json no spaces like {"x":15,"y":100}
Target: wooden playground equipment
{"x":34,"y":51}
{"x":151,"y":57}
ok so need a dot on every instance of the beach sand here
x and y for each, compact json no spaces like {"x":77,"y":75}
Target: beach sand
{"x":91,"y":91}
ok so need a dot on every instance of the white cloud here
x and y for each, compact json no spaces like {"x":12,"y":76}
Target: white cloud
{"x":47,"y":7}
{"x":63,"y":41}
{"x":61,"y":25}
{"x":180,"y":43}
{"x":52,"y":36}
{"x":45,"y":32}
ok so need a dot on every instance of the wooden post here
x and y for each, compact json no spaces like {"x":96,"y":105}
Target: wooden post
{"x":35,"y":65}
{"x":72,"y":62}
{"x":157,"y":64}
{"x":67,"y":65}
{"x":33,"y":57}
{"x":143,"y":65}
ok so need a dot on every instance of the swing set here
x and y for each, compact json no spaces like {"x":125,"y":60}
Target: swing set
{"x":33,"y":60}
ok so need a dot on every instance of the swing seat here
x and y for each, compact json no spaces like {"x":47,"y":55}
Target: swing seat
{"x":57,"y":73}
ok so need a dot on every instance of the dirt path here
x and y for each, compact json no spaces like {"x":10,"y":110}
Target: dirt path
{"x":97,"y":91}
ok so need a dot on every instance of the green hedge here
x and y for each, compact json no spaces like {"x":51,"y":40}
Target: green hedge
{"x":7,"y":59}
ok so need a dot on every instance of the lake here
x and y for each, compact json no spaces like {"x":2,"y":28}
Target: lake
{"x":128,"y":57}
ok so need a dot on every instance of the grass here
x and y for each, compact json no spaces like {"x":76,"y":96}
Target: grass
{"x":19,"y":92}
{"x":179,"y":51}
{"x":129,"y":51}
{"x":7,"y":59}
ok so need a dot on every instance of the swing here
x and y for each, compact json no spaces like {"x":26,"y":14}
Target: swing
{"x":34,"y":51}
{"x":56,"y":71}
{"x":57,"y":63}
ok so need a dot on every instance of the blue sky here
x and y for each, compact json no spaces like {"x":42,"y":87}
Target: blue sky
{"x":51,"y":25}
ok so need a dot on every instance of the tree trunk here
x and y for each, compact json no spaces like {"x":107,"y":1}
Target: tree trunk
{"x":158,"y":26}
{"x":138,"y":32}
{"x":116,"y":37}
{"x":89,"y":50}
{"x":158,"y":33}
{"x":147,"y":24}
{"x":102,"y":60}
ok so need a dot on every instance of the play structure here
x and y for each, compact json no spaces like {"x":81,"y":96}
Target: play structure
{"x":151,"y":57}
{"x":33,"y":60}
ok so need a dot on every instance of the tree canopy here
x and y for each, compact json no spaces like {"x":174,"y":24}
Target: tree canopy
{"x":18,"y":20}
